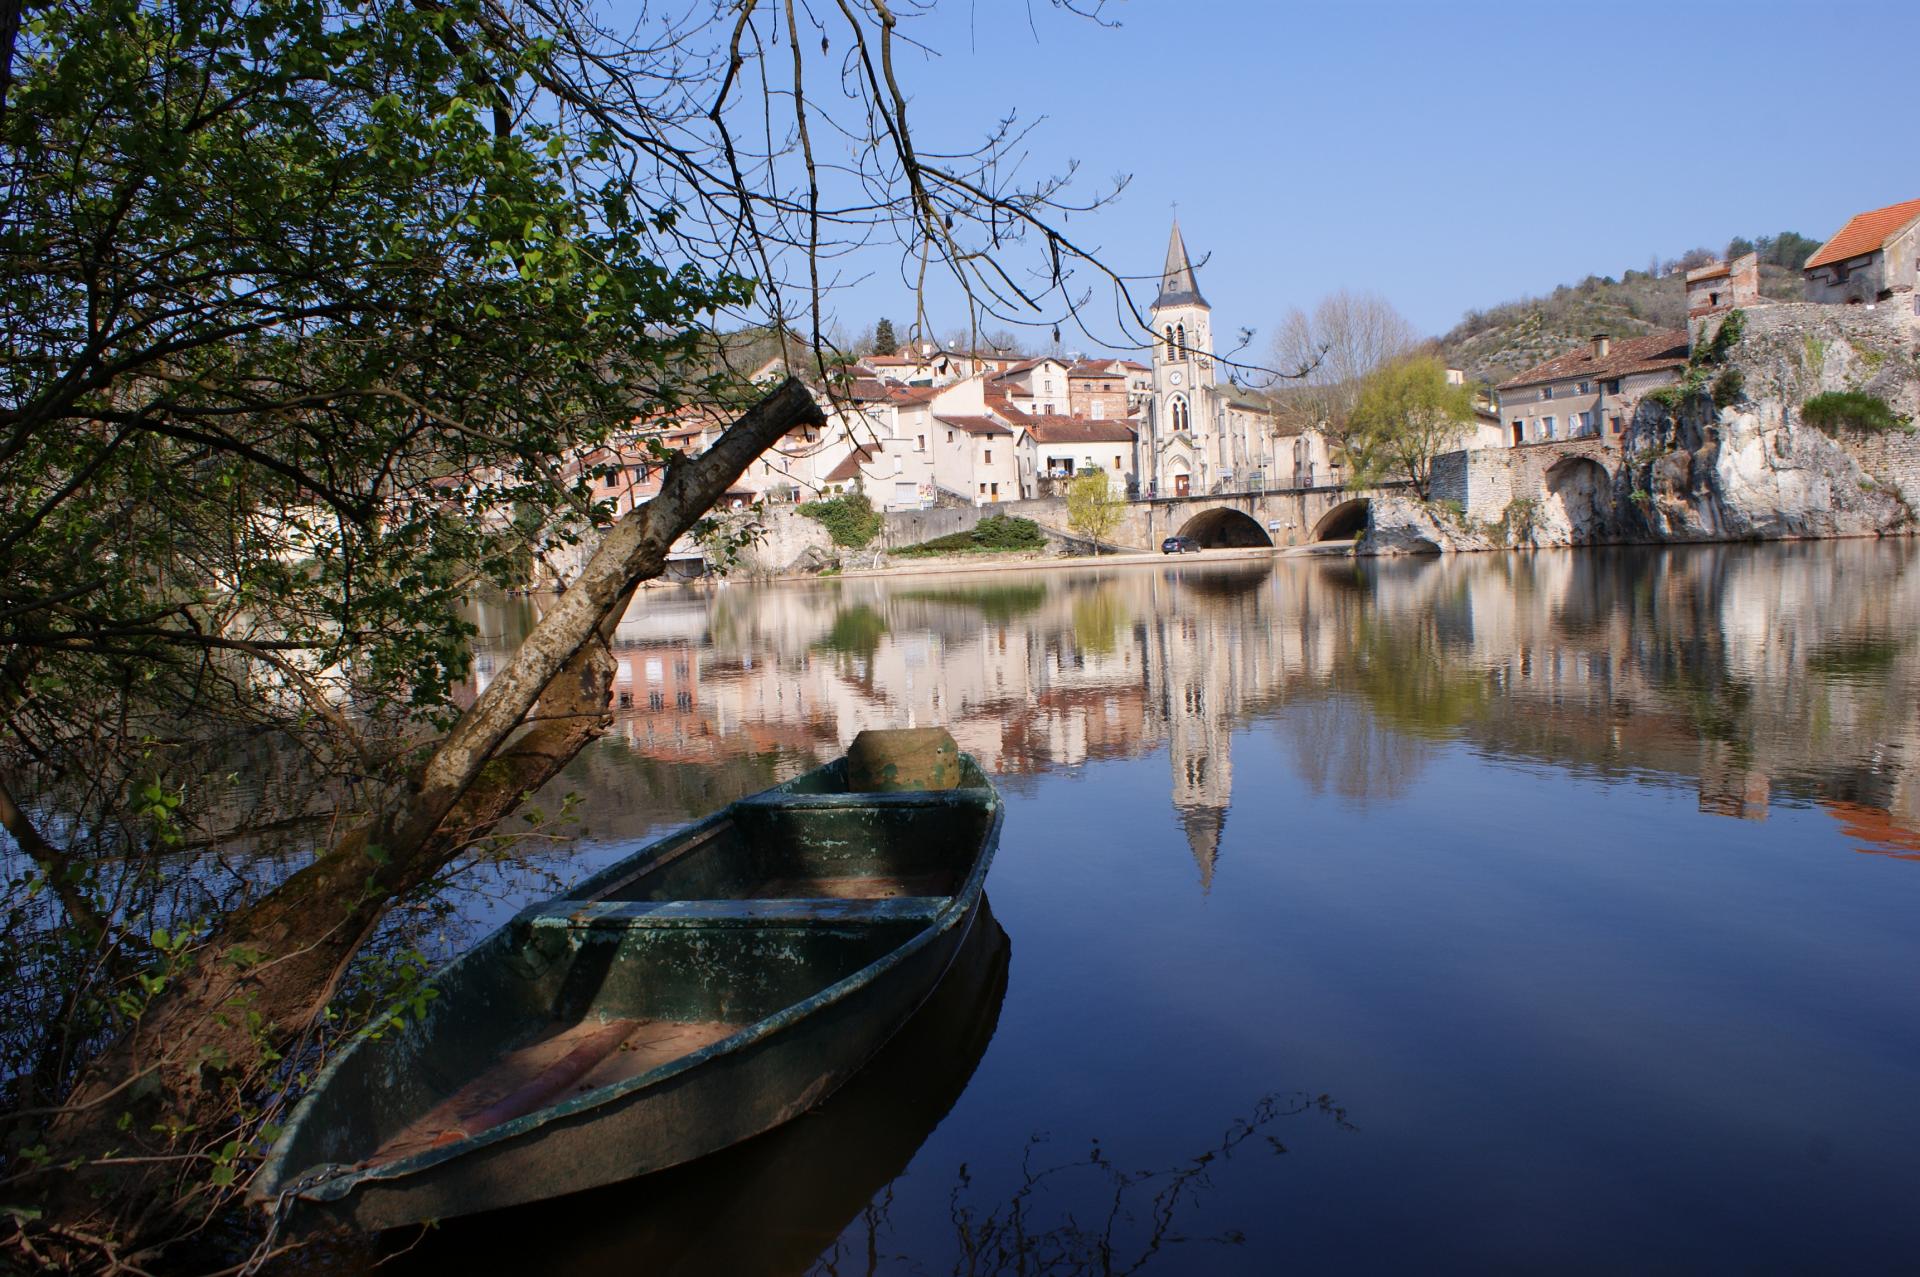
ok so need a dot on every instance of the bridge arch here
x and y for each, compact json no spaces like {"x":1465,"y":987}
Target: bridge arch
{"x":1225,"y":526}
{"x":1344,"y":522}
{"x":1578,"y":500}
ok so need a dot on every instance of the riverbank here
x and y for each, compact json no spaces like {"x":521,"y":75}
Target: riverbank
{"x":979,"y":563}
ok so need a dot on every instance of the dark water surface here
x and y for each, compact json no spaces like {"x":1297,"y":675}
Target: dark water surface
{"x":1500,"y":912}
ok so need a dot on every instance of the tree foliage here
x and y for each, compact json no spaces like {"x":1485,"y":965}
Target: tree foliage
{"x":884,"y":341}
{"x":1094,"y":509}
{"x":316,"y":316}
{"x":1405,"y":415}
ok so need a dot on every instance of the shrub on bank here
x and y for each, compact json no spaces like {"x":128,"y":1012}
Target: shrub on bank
{"x":1852,"y":410}
{"x":850,"y":520}
{"x":994,"y":534}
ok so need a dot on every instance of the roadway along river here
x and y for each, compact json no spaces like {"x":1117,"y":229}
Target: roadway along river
{"x":1551,"y":911}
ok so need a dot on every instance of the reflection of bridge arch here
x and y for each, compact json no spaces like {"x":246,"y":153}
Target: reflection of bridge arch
{"x":1344,"y":522}
{"x":1226,"y":527}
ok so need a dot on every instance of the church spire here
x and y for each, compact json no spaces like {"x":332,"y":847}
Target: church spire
{"x":1177,"y":286}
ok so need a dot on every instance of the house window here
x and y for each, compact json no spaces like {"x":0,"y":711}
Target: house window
{"x":996,"y":491}
{"x":949,"y":436}
{"x":1099,"y":409}
{"x":1613,"y":387}
{"x":1584,"y":388}
{"x":1546,"y":392}
{"x":989,"y":456}
{"x":983,"y":489}
{"x":1116,"y":461}
{"x":1616,"y":424}
{"x":1713,"y":299}
{"x":920,"y":444}
{"x":1519,"y":432}
{"x":1546,"y":427}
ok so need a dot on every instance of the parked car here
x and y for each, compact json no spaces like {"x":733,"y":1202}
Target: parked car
{"x":1179,"y":545}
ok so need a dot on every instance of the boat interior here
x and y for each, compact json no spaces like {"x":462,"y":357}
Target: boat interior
{"x":735,"y":922}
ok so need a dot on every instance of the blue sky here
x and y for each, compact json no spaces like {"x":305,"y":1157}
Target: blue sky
{"x":1446,"y":155}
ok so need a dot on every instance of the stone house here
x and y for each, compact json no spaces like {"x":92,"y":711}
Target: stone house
{"x":1106,"y":389}
{"x":975,"y":457}
{"x":1039,"y":386}
{"x":1056,"y":449}
{"x":1873,"y":257}
{"x":1590,"y":392}
{"x":1721,"y":286}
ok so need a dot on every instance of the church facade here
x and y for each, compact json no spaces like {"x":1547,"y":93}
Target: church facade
{"x":1201,"y":435}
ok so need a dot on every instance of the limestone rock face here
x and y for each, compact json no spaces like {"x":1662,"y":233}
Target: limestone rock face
{"x":1402,"y":525}
{"x":1752,"y":470}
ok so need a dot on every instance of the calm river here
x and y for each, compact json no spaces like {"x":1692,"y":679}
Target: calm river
{"x":1554,"y":912}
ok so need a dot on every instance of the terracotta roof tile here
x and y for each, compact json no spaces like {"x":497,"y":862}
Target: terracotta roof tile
{"x":1632,"y":355}
{"x":850,"y":464}
{"x":1865,"y":233}
{"x":1079,"y":430}
{"x":974,"y":425}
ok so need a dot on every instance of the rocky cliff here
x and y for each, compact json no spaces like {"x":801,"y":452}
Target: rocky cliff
{"x":1731,"y":454}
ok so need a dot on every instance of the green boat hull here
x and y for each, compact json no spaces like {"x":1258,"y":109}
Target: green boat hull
{"x":792,"y":933}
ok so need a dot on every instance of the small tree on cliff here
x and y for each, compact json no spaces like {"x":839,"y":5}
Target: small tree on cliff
{"x":317,"y":317}
{"x":1405,"y":415}
{"x":1094,"y":509}
{"x":884,"y":342}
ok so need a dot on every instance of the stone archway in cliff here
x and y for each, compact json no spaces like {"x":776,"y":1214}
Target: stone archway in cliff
{"x":1578,"y":504}
{"x":1215,"y":529}
{"x":1345,"y":522}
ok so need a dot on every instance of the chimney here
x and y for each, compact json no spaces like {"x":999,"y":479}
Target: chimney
{"x":1602,"y":345}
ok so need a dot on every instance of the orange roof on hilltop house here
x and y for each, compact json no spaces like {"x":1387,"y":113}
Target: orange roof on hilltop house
{"x":1865,"y":233}
{"x":1633,"y":355}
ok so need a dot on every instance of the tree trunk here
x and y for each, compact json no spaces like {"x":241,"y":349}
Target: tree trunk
{"x":269,"y":969}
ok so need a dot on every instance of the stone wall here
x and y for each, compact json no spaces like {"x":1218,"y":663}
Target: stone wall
{"x":1480,"y":479}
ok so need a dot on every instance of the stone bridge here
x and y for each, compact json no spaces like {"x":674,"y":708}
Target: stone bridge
{"x":1288,"y":516}
{"x":1570,"y":482}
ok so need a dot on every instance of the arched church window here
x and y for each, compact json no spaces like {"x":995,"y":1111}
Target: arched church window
{"x":1179,"y":415}
{"x":1170,"y":341}
{"x":1181,"y":333}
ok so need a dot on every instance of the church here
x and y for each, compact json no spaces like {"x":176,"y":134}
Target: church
{"x":1201,"y":435}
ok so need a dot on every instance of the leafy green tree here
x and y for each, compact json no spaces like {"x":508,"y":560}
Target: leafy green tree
{"x":884,"y":342}
{"x":1405,"y":415}
{"x":1094,"y":509}
{"x":317,"y":317}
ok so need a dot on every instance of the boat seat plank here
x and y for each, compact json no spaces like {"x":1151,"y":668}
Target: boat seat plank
{"x":757,"y":912}
{"x":564,"y":1062}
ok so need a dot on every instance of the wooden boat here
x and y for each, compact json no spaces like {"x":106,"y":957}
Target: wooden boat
{"x":689,"y":997}
{"x":770,"y":1204}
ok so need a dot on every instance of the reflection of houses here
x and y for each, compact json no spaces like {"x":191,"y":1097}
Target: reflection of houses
{"x":1702,"y":670}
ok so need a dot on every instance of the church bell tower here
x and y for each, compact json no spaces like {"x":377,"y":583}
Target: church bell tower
{"x":1182,"y":368}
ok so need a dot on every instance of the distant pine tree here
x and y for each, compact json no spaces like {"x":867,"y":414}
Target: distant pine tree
{"x":884,"y":342}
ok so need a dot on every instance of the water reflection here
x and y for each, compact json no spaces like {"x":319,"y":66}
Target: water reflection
{"x":772,"y":1204}
{"x":1751,"y":675}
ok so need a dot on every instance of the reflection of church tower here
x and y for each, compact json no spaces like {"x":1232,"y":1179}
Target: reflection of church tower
{"x":1196,"y":694}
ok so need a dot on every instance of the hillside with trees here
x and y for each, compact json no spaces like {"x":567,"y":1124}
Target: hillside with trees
{"x":1494,"y":344}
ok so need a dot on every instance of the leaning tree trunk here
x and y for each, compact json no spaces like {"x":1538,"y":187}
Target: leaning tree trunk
{"x":257,"y":984}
